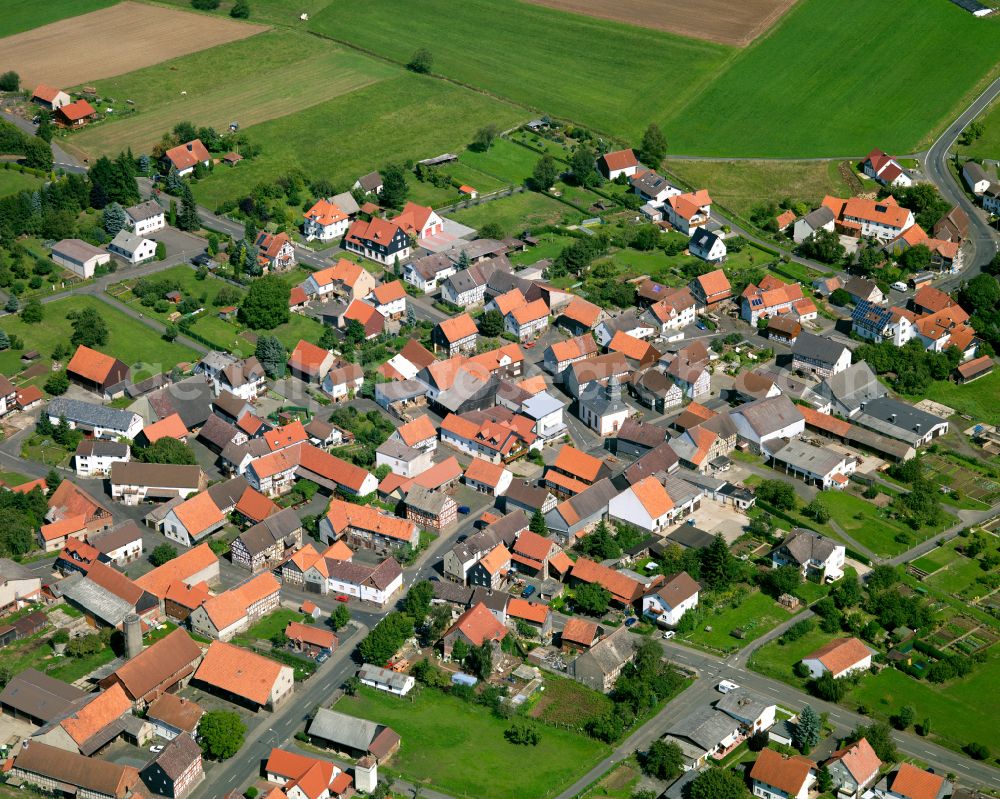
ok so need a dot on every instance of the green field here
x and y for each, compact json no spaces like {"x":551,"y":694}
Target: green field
{"x":824,"y":82}
{"x":740,"y":185}
{"x":23,"y":15}
{"x":506,"y":161}
{"x":442,"y":736}
{"x":960,"y":711}
{"x":279,"y":12}
{"x":776,"y":659}
{"x":518,"y":212}
{"x":251,"y":81}
{"x":977,"y":399}
{"x":13,"y":181}
{"x":613,"y":77}
{"x":758,"y":610}
{"x":405,"y":117}
{"x":872,"y":527}
{"x":128,"y":339}
{"x":987,"y":145}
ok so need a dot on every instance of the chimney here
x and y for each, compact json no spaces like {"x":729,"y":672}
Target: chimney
{"x":916,"y":427}
{"x":892,"y":417}
{"x":190,"y":146}
{"x":133,"y":636}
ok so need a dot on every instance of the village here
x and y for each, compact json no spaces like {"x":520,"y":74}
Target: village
{"x":278,"y":500}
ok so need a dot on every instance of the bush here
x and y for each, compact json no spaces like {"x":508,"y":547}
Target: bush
{"x":205,"y":5}
{"x":977,"y":751}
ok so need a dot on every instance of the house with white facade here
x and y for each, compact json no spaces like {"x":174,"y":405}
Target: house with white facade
{"x":146,"y":217}
{"x":823,"y":467}
{"x":707,"y":245}
{"x":821,"y":219}
{"x":886,"y":170}
{"x":645,"y":504}
{"x":389,"y":299}
{"x":94,"y":456}
{"x":841,"y":658}
{"x":688,"y":211}
{"x":853,"y":769}
{"x":325,"y":221}
{"x":79,"y":257}
{"x":767,"y":419}
{"x":820,"y":356}
{"x":879,"y":219}
{"x":619,"y":162}
{"x":670,"y":601}
{"x":373,"y":584}
{"x":975,"y":177}
{"x":343,"y":381}
{"x":528,"y":321}
{"x":652,"y":187}
{"x":777,"y":776}
{"x":378,"y":240}
{"x":132,"y":248}
{"x":675,"y":311}
{"x":419,"y":221}
{"x":99,"y":421}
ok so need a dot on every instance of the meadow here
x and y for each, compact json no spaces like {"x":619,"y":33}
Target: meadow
{"x":987,"y":145}
{"x":976,"y":399}
{"x":214,"y":87}
{"x":464,"y":733}
{"x":23,"y":15}
{"x":613,"y":77}
{"x":517,"y":212}
{"x":404,"y":117}
{"x":756,"y":615}
{"x":12,"y":181}
{"x":128,"y":339}
{"x":836,"y":79}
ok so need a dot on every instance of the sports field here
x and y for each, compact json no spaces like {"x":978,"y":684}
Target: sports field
{"x":404,"y":117}
{"x":616,"y":78}
{"x":720,"y":21}
{"x":214,"y":87}
{"x":741,"y":185}
{"x":838,"y":78}
{"x":113,"y":41}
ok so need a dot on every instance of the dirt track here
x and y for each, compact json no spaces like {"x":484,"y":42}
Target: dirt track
{"x":113,"y":41}
{"x":732,"y":22}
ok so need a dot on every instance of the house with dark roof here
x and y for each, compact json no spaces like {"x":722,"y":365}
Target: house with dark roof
{"x":94,"y":456}
{"x":671,"y":600}
{"x":268,"y":542}
{"x":38,"y":698}
{"x":574,"y":516}
{"x":99,"y":421}
{"x":812,"y":553}
{"x":56,"y":769}
{"x":767,"y":419}
{"x":600,"y":666}
{"x":353,"y":736}
{"x":707,"y":245}
{"x":177,"y":770}
{"x":899,"y":420}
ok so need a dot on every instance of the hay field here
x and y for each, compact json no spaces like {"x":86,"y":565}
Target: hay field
{"x":113,"y":41}
{"x":721,"y":21}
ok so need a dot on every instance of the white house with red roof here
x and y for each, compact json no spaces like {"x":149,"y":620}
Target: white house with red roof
{"x":344,"y":279}
{"x":184,"y":157}
{"x":853,"y":769}
{"x":775,"y":776}
{"x":275,"y":251}
{"x":880,"y":219}
{"x":646,"y":504}
{"x":389,"y":299}
{"x":304,"y":777}
{"x":688,"y":211}
{"x":325,"y":221}
{"x":710,"y":289}
{"x":671,"y":600}
{"x":885,"y":169}
{"x":50,"y":97}
{"x":379,"y":240}
{"x":841,"y":658}
{"x":619,"y":162}
{"x":420,"y":221}
{"x":527,"y":321}
{"x":770,"y":298}
{"x":309,"y":362}
{"x":674,"y":312}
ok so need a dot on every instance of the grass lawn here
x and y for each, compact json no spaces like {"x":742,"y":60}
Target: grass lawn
{"x":223,"y":335}
{"x":128,"y":339}
{"x":976,"y":399}
{"x":959,"y":575}
{"x":13,"y":478}
{"x":508,"y":162}
{"x":272,"y":623}
{"x":189,"y":286}
{"x":13,"y":181}
{"x":567,"y":702}
{"x":23,"y":15}
{"x":466,"y":733}
{"x":565,"y":65}
{"x":796,"y":91}
{"x":69,"y":669}
{"x":775,"y":659}
{"x":987,"y":145}
{"x":619,"y":783}
{"x":297,"y":327}
{"x":406,"y":117}
{"x":871,"y":526}
{"x":740,"y":185}
{"x":517,"y":212}
{"x":270,"y":75}
{"x":279,"y":12}
{"x":758,"y":612}
{"x":549,"y":246}
{"x":960,"y":711}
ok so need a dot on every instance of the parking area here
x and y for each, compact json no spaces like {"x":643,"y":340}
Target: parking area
{"x":714,"y":517}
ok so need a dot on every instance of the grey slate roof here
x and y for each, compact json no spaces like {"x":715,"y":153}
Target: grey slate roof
{"x":706,"y":726}
{"x":217,"y":431}
{"x":821,"y":216}
{"x":178,"y":755}
{"x":190,"y":398}
{"x":95,"y":599}
{"x":40,"y":696}
{"x":90,"y":414}
{"x":101,"y":448}
{"x":703,"y":239}
{"x":770,"y":414}
{"x":610,"y":652}
{"x":146,"y":210}
{"x":662,"y":458}
{"x":895,"y":418}
{"x":117,"y":537}
{"x":382,"y":676}
{"x":227,"y":493}
{"x":805,"y":545}
{"x":342,"y":729}
{"x":817,"y":348}
{"x":855,"y":386}
{"x":126,"y":241}
{"x":159,"y":475}
{"x":591,"y":501}
{"x":425,"y":501}
{"x":806,"y":457}
{"x":394,"y":448}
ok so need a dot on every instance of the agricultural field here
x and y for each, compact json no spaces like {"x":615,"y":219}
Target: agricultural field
{"x":465,"y":733}
{"x":800,"y":91}
{"x":13,"y":181}
{"x":715,"y":20}
{"x":567,"y":702}
{"x":517,"y":212}
{"x":561,"y":64}
{"x":128,"y":339}
{"x":406,"y":117}
{"x":215,"y":87}
{"x":63,"y":53}
{"x":276,"y":12}
{"x":23,"y":15}
{"x":949,"y":571}
{"x":740,"y":185}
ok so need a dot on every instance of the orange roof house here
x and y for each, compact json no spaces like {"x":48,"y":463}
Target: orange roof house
{"x":505,"y":303}
{"x":579,"y":632}
{"x":839,"y":657}
{"x":459,"y":332}
{"x":183,"y":157}
{"x":236,"y":672}
{"x":634,"y":348}
{"x":911,"y":782}
{"x":254,"y":506}
{"x":198,"y":516}
{"x":305,"y":776}
{"x":618,"y":162}
{"x":105,"y":707}
{"x":710,"y":289}
{"x":475,"y":627}
{"x":188,"y":568}
{"x":533,"y":612}
{"x":75,"y":114}
{"x":787,"y":775}
{"x":96,"y":371}
{"x":784,"y":219}
{"x":286,"y":435}
{"x":583,"y":313}
{"x":325,"y":213}
{"x":418,"y":431}
{"x":860,"y":762}
{"x":309,"y":362}
{"x":169,"y":427}
{"x":624,"y":590}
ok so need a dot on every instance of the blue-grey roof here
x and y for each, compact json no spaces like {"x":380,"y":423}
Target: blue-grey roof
{"x":90,"y":414}
{"x":871,"y":316}
{"x":540,"y":405}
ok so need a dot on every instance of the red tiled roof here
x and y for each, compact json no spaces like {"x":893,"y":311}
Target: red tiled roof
{"x":389,"y":292}
{"x":478,"y":625}
{"x":325,"y":213}
{"x":297,"y":296}
{"x":620,"y":159}
{"x":859,"y":759}
{"x":916,"y":783}
{"x":91,"y":364}
{"x":97,"y":714}
{"x":582,"y":311}
{"x":310,"y":634}
{"x":652,"y":496}
{"x":240,"y":672}
{"x":484,"y":472}
{"x":785,"y":773}
{"x":63,"y":527}
{"x":840,"y":654}
{"x":286,"y":435}
{"x":458,"y":328}
{"x":417,"y":430}
{"x":622,"y":588}
{"x":180,"y":569}
{"x":255,"y":506}
{"x":199,"y":513}
{"x":714,"y":283}
{"x":578,"y":347}
{"x":169,"y":427}
{"x":81,"y":109}
{"x":575,"y":462}
{"x":187,"y":155}
{"x":307,"y":357}
{"x":579,"y":631}
{"x":529,"y":611}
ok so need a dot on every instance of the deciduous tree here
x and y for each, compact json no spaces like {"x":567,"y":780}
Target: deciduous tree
{"x":654,"y":146}
{"x":221,"y":734}
{"x":545,"y":173}
{"x":266,"y":304}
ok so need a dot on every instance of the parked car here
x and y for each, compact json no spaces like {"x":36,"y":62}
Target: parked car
{"x":343,"y":598}
{"x":463,"y":509}
{"x":669,"y":634}
{"x":156,"y":749}
{"x":528,"y":591}
{"x":726,"y":686}
{"x":323,"y":657}
{"x":899,"y":285}
{"x":630,"y":621}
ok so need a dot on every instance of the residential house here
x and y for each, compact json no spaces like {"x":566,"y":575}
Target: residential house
{"x":527,"y":321}
{"x":689,"y":370}
{"x":233,"y":611}
{"x":705,"y":733}
{"x":688,"y":211}
{"x":134,"y":482}
{"x":75,"y":114}
{"x":624,"y":590}
{"x":671,"y":600}
{"x":172,"y":715}
{"x":353,"y":736}
{"x":975,"y":177}
{"x":121,"y":545}
{"x":619,"y":162}
{"x":475,"y":627}
{"x":886,"y":170}
{"x":574,"y":471}
{"x":463,"y":556}
{"x":171,"y":426}
{"x":767,"y":419}
{"x":846,"y":392}
{"x":492,"y":569}
{"x":50,"y":97}
{"x":877,"y":323}
{"x":429,"y":271}
{"x":651,"y":187}
{"x":467,"y":288}
{"x":145,"y":217}
{"x":366,"y":527}
{"x":304,"y":777}
{"x":912,"y":782}
{"x":386,"y":680}
{"x":785,"y":329}
{"x":880,"y":219}
{"x":275,"y":251}
{"x":345,"y":280}
{"x":632,"y":322}
{"x":457,"y":335}
{"x":133,"y":248}
{"x":853,"y":769}
{"x":94,"y":456}
{"x":487,"y":477}
{"x":8,"y":396}
{"x":369,"y":184}
{"x":430,"y":509}
{"x":184,"y":157}
{"x":645,"y":504}
{"x":309,"y":362}
{"x":522,"y":495}
{"x":711,"y":289}
{"x":675,"y":310}
{"x":177,"y":770}
{"x":497,"y":435}
{"x":953,"y":226}
{"x":814,"y":554}
{"x":243,"y":378}
{"x":378,"y":240}
{"x":560,"y":355}
{"x":823,"y":218}
{"x":403,"y":460}
{"x":325,"y":221}
{"x":861,"y":288}
{"x":535,"y":615}
{"x":707,"y":245}
{"x":841,"y":657}
{"x":777,"y":776}
{"x":70,"y":501}
{"x":268,"y":542}
{"x":245,"y":678}
{"x":819,"y":355}
{"x":635,"y":439}
{"x":600,"y":666}
{"x":581,"y":316}
{"x":97,"y":372}
{"x":389,"y":300}
{"x":531,"y":554}
{"x":419,"y":221}
{"x":574,"y":516}
{"x":771,"y":297}
{"x":655,"y":390}
{"x":823,"y":467}
{"x":343,"y":381}
{"x":604,"y":411}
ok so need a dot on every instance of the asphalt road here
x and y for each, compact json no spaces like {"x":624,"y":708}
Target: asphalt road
{"x":982,"y":238}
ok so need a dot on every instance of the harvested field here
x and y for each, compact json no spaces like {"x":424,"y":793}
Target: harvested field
{"x":720,"y":21}
{"x":64,"y":53}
